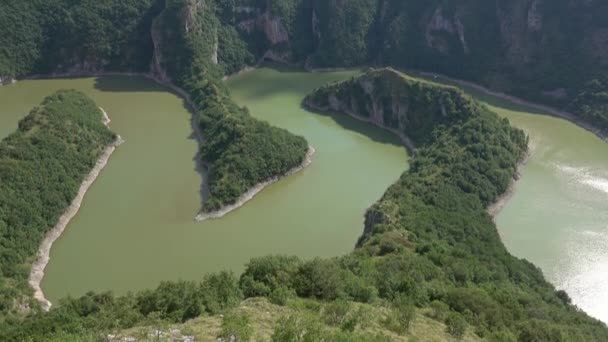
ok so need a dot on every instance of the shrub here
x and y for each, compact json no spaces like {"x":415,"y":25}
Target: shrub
{"x":220,"y":291}
{"x":299,"y":329}
{"x":456,"y":325}
{"x":400,"y":317}
{"x":439,"y":310}
{"x":263,"y":275}
{"x":335,"y":312}
{"x":281,"y":295}
{"x":235,"y":327}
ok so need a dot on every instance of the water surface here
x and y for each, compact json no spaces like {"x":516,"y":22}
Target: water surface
{"x":558,"y":216}
{"x":136,"y":225}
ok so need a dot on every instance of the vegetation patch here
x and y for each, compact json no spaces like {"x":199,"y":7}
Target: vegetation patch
{"x":42,"y":166}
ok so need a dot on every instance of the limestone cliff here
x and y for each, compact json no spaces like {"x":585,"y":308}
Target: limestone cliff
{"x":389,"y":99}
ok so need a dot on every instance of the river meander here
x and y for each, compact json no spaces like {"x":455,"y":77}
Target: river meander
{"x":136,"y":227}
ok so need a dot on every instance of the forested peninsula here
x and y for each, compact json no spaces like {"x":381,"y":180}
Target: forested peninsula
{"x":42,"y":166}
{"x":429,"y":250}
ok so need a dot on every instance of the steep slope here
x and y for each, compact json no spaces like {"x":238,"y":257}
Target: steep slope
{"x":429,"y":247}
{"x":239,"y":151}
{"x":541,"y":50}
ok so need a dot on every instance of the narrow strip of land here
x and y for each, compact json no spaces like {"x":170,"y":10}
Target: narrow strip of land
{"x":37,"y":271}
{"x":249,"y":195}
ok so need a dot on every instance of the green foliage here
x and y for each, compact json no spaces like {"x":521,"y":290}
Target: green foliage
{"x":343,"y":32}
{"x":335,"y":312}
{"x":235,"y":327}
{"x":450,"y":252}
{"x":58,"y":35}
{"x":401,"y":316}
{"x":239,"y":150}
{"x":456,"y":325}
{"x":220,"y":291}
{"x":64,"y":137}
{"x":281,"y":295}
{"x":299,"y":329}
{"x":592,"y":103}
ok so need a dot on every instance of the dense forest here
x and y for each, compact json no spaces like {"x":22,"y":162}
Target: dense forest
{"x":42,"y":166}
{"x":428,"y":245}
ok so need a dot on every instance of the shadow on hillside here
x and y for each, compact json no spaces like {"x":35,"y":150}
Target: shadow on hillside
{"x":376,"y":134}
{"x":126,"y":83}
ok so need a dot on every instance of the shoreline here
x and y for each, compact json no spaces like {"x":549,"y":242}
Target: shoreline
{"x":43,"y":256}
{"x":501,"y":202}
{"x":256,"y":189}
{"x":405,"y":140}
{"x":545,"y":109}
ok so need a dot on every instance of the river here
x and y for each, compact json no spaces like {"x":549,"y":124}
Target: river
{"x":136,"y":224}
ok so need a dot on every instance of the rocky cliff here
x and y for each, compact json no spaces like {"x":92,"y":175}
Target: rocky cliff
{"x":389,"y":99}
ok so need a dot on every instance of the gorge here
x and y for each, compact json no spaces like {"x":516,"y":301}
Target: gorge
{"x":429,"y":231}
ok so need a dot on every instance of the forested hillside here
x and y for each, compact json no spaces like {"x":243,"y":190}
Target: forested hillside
{"x":42,"y":166}
{"x":430,"y":251}
{"x":240,"y":151}
{"x":541,"y":50}
{"x":428,"y":247}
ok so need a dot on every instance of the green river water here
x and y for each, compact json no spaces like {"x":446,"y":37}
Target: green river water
{"x":136,"y":226}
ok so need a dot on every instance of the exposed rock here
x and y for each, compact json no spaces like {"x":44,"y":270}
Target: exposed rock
{"x":535,"y":19}
{"x":190,"y":13}
{"x":440,"y":23}
{"x":156,"y":69}
{"x":273,"y":28}
{"x":216,"y":46}
{"x":275,"y":56}
{"x":6,"y":80}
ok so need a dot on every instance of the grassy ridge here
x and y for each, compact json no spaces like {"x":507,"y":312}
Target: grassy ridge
{"x":42,"y":166}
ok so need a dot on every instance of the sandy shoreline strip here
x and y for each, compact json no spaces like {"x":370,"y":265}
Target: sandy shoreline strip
{"x":249,"y":195}
{"x":37,"y":271}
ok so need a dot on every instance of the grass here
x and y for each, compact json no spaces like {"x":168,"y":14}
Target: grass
{"x":263,"y":316}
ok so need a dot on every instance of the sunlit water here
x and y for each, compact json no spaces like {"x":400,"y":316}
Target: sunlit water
{"x":558,"y":217}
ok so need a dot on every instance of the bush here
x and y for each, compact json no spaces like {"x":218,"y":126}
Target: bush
{"x":400,"y":317}
{"x":299,"y":329}
{"x":281,"y":295}
{"x":456,"y":325}
{"x":322,"y":279}
{"x":220,"y":291}
{"x":235,"y":327}
{"x":335,"y":312}
{"x":439,"y":310}
{"x":263,"y":275}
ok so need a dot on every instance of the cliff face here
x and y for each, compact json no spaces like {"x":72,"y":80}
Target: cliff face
{"x":391,"y":100}
{"x":514,"y":46}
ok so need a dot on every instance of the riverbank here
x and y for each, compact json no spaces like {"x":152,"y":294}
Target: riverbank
{"x":249,"y":195}
{"x":573,"y":118}
{"x":37,"y":271}
{"x":405,"y":140}
{"x":499,"y":204}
